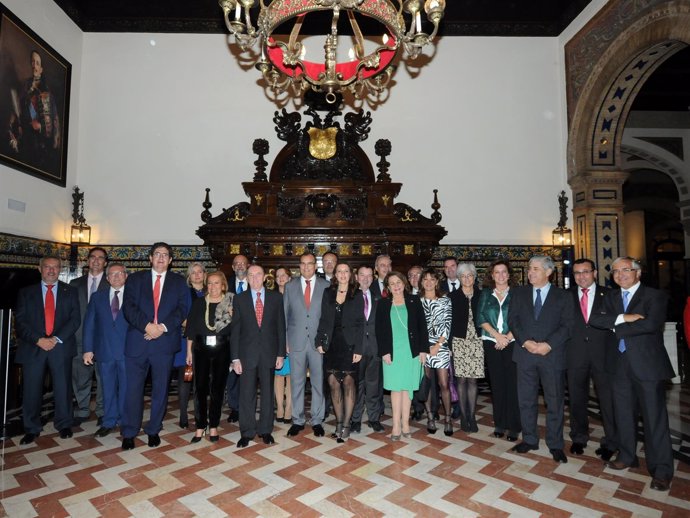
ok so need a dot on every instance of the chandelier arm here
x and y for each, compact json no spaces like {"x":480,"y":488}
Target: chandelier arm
{"x":358,"y":36}
{"x":293,"y":44}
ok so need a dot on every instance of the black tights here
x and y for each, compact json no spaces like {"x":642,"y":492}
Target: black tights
{"x":442,"y":380}
{"x":467,"y":397}
{"x":343,"y":386}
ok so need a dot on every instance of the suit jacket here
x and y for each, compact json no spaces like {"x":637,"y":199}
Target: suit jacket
{"x":257,"y":346}
{"x":31,"y":325}
{"x":416,"y":326}
{"x":375,"y":289}
{"x":587,"y":343}
{"x":445,"y":286}
{"x":644,"y":339}
{"x":232,"y":280}
{"x":553,"y":326}
{"x":139,"y":312}
{"x":352,"y":321}
{"x":302,"y":325}
{"x":461,"y":313}
{"x":103,"y":336}
{"x":82,"y":286}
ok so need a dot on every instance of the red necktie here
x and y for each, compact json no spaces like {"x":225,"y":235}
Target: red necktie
{"x":156,"y":298}
{"x":584,"y":303}
{"x":50,"y":310}
{"x":259,"y":308}
{"x":307,"y":294}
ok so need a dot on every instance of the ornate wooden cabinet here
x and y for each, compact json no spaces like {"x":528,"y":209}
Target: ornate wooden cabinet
{"x":321,"y":195}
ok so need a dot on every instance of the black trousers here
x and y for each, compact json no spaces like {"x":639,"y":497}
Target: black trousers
{"x":369,"y":389}
{"x":248,"y":385}
{"x":578,"y":395}
{"x":631,"y":397}
{"x":211,"y":366}
{"x":503,"y":379}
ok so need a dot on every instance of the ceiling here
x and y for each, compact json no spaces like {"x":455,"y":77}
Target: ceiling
{"x":462,"y":18}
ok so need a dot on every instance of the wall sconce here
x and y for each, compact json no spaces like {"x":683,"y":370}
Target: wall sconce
{"x":562,"y":235}
{"x":81,"y":232}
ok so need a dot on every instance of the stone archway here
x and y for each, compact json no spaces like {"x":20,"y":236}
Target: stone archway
{"x":608,"y":61}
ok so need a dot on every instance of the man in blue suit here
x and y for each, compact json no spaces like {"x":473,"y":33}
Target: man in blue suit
{"x":155,"y":304}
{"x":105,"y":330}
{"x":541,"y":319}
{"x":47,"y":319}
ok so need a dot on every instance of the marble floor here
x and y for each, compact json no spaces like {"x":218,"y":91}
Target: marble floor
{"x":426,"y":475}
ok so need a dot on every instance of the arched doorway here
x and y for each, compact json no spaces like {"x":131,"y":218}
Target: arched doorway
{"x":608,"y":63}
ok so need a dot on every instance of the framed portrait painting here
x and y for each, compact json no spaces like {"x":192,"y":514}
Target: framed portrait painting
{"x":34,"y":102}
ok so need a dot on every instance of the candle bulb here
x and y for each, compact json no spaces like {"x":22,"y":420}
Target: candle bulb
{"x":418,"y":20}
{"x":238,"y":11}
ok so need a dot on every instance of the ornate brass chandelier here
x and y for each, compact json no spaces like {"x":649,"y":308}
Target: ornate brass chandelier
{"x":284,"y":66}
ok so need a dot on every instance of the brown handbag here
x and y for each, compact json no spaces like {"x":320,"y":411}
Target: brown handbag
{"x":188,"y":373}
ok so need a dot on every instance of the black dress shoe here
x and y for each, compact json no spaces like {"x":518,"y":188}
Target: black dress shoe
{"x":154,"y":440}
{"x":243,"y":442}
{"x":234,"y":416}
{"x":660,"y":484}
{"x":28,"y":438}
{"x":355,"y":427}
{"x":128,"y":443}
{"x":184,"y":424}
{"x":65,"y":433}
{"x":295,"y":429}
{"x":497,"y":434}
{"x":577,"y":448}
{"x":318,"y":430}
{"x":604,"y":453}
{"x":268,"y":438}
{"x":103,"y":431}
{"x":376,"y":426}
{"x":558,"y":455}
{"x":524,"y":447}
{"x":511,"y":438}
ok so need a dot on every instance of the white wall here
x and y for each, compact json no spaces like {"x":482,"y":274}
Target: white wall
{"x":483,"y":123}
{"x":48,"y":207}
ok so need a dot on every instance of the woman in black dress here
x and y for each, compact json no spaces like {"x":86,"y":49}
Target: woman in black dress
{"x":208,"y":350}
{"x":339,"y":339}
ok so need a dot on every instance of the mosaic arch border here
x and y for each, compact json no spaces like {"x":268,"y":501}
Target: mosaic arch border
{"x":630,"y":39}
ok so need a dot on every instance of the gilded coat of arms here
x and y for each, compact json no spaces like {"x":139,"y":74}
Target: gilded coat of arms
{"x":322,"y":142}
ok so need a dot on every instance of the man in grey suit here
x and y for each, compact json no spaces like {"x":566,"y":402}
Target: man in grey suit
{"x":541,"y":319}
{"x":82,"y":374}
{"x":302,"y":303}
{"x":370,"y":382}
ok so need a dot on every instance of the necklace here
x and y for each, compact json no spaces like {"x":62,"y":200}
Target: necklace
{"x":397,"y":312}
{"x":208,"y":303}
{"x":501,"y":292}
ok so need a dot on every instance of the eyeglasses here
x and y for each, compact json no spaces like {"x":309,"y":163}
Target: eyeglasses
{"x":618,"y":271}
{"x":116,"y":274}
{"x":467,"y":276}
{"x":583,"y":272}
{"x":161,"y":255}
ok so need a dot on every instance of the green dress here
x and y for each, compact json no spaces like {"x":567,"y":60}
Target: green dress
{"x":405,"y":372}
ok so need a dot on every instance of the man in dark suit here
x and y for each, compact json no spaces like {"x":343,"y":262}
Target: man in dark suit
{"x":541,"y":319}
{"x":257,"y":346}
{"x":450,"y":270}
{"x":302,"y":304}
{"x":370,"y":376}
{"x":155,"y":304}
{"x":382,"y":267}
{"x":105,"y":331}
{"x":237,"y":283}
{"x":639,"y":365}
{"x":47,"y":319}
{"x":585,"y":359}
{"x":82,"y":373}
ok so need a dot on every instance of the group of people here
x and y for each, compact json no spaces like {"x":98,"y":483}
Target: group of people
{"x":352,"y":335}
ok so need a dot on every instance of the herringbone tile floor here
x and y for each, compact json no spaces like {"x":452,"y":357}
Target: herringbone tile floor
{"x":370,"y":476}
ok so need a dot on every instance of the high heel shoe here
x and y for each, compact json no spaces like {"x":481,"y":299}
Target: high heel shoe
{"x":448,"y":428}
{"x":197,"y":438}
{"x":345,"y":434}
{"x":337,"y":434}
{"x":395,"y":437}
{"x":213,"y":438}
{"x":430,"y":423}
{"x":407,"y":435}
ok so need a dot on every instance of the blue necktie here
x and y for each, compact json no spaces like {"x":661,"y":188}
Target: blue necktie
{"x":621,"y":342}
{"x":537,"y":304}
{"x":240,"y":287}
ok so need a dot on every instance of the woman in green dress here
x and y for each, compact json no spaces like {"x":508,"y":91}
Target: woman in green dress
{"x":403,"y":343}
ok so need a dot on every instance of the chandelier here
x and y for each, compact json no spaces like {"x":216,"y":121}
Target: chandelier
{"x":366,"y":70}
